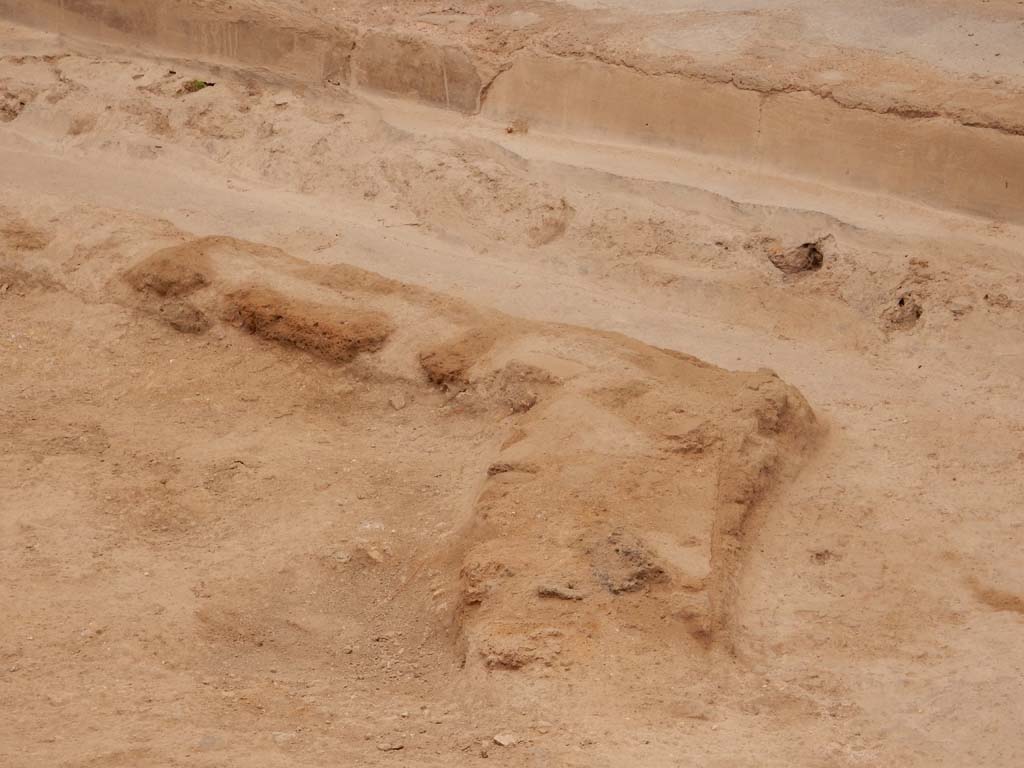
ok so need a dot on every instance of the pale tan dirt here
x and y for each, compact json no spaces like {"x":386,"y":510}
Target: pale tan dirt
{"x":337,"y":430}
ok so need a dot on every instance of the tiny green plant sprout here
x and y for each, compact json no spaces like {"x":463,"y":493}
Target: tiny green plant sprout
{"x":195,"y":85}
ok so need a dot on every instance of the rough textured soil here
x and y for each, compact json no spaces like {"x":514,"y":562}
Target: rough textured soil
{"x":340,"y":429}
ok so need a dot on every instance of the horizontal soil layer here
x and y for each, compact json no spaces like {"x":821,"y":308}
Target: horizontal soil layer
{"x":937,"y":152}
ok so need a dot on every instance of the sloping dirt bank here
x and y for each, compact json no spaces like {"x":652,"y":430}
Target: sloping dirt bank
{"x":345,"y":430}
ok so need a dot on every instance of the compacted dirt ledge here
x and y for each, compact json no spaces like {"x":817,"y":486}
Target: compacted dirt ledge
{"x":946,"y":130}
{"x":960,"y":61}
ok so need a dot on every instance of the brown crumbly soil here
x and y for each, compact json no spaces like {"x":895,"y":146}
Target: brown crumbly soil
{"x":341,"y":429}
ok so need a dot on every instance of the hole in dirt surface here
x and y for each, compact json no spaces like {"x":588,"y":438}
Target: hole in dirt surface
{"x":11,"y":105}
{"x":904,"y":315}
{"x":806,"y":257}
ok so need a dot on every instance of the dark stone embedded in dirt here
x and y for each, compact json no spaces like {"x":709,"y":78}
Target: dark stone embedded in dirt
{"x":904,"y":314}
{"x":806,"y":257}
{"x":559,"y":591}
{"x":502,"y":467}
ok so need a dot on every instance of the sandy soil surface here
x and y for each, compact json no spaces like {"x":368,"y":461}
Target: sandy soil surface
{"x":342,"y":429}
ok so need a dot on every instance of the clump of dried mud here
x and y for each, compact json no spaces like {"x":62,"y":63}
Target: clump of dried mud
{"x":334,"y":334}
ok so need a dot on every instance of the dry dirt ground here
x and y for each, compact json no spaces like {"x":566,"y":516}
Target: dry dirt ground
{"x":344,"y":430}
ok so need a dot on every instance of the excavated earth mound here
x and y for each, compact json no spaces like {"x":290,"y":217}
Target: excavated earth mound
{"x":616,"y":468}
{"x":587,"y":495}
